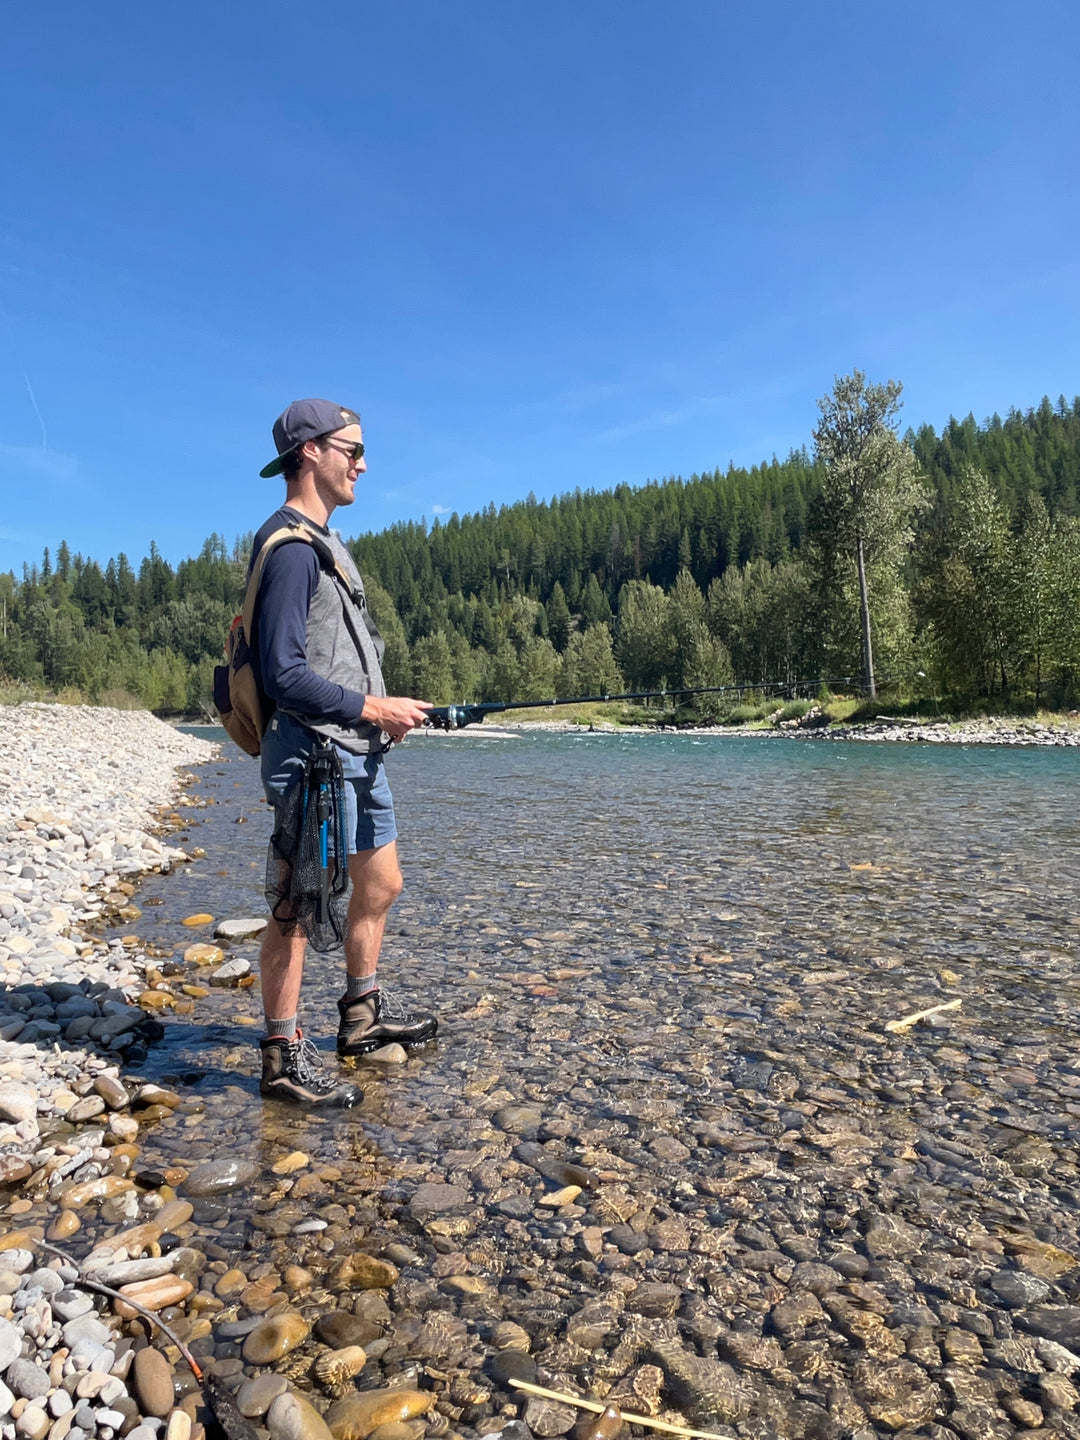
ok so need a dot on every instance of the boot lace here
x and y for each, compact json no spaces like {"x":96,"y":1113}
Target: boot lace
{"x":306,"y":1064}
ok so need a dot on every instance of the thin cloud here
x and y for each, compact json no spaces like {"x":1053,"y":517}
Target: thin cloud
{"x":46,"y":464}
{"x":440,"y":509}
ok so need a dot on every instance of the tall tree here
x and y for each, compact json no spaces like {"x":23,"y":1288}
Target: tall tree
{"x":870,"y":490}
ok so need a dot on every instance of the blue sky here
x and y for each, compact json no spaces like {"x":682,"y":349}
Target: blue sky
{"x":538,"y":246}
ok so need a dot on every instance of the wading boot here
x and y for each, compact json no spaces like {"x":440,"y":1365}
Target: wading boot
{"x":376,"y":1019}
{"x":291,"y":1072}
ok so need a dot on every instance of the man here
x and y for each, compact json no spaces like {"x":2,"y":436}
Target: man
{"x":317,"y":658}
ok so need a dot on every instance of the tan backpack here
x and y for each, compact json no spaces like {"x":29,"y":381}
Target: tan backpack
{"x":241,"y":706}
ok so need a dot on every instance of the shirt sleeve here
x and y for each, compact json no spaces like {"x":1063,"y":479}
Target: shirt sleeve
{"x":288,"y":583}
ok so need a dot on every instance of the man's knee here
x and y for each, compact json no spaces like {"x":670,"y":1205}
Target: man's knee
{"x":377,"y":880}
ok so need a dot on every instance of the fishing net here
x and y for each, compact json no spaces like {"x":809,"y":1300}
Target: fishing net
{"x":307,"y":872}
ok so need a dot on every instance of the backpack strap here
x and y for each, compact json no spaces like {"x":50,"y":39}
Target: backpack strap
{"x":294,"y":531}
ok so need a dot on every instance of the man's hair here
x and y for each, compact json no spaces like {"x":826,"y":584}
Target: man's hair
{"x":290,"y":463}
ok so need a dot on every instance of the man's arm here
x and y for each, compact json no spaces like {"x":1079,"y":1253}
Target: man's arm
{"x":288,"y":583}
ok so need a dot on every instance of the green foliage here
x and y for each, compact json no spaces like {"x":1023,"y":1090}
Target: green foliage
{"x":970,"y":572}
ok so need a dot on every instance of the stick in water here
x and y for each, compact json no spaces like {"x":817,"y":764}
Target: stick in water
{"x":599,"y":1409}
{"x":922,"y":1015}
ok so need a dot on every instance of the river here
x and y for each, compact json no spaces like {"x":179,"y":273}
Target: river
{"x":671,"y":959}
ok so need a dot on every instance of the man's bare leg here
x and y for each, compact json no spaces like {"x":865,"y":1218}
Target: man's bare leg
{"x":376,"y":881}
{"x":281,"y":968}
{"x":368,"y":1020}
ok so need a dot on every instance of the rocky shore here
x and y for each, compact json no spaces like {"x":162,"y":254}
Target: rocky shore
{"x":82,"y":796}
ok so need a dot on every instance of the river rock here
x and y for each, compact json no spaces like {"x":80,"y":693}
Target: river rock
{"x":204,"y":954}
{"x":17,"y":1102}
{"x":899,"y":1396}
{"x":340,"y":1328}
{"x":1018,"y":1290}
{"x":153,"y":1382}
{"x":216,"y":1177}
{"x":231,"y":973}
{"x":255,"y":1397}
{"x":273,"y":1338}
{"x":291,"y":1417}
{"x":435,"y":1198}
{"x":154,"y":1294}
{"x":27,"y":1379}
{"x":10,"y":1344}
{"x":63,"y":1225}
{"x":112,"y":1092}
{"x":519,"y":1120}
{"x":546,"y":1417}
{"x":364,"y":1272}
{"x":355,"y":1416}
{"x":240,"y":929}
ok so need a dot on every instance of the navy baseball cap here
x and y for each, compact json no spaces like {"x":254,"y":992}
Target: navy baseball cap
{"x":306,"y":420}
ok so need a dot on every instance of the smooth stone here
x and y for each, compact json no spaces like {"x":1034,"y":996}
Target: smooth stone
{"x":129,"y":1272}
{"x":296,"y":1160}
{"x":341,"y":1328}
{"x":231,"y":973}
{"x":86,"y":1328}
{"x":28,"y":1379}
{"x":240,"y":929}
{"x":399,"y":1430}
{"x":291,"y":1417}
{"x":256,"y":1396}
{"x":33,"y":1423}
{"x":112,"y":1092}
{"x":175,"y":1213}
{"x":215,"y":1177}
{"x":153,"y":1382}
{"x":392,"y":1054}
{"x":355,"y":1416}
{"x":10,"y":1344}
{"x":104,"y":1187}
{"x":273,"y":1338}
{"x":70,"y":1304}
{"x":200,"y":919}
{"x":364,"y":1272}
{"x":518,"y":1119}
{"x":435,"y":1197}
{"x":64,"y":1225}
{"x":512,"y":1365}
{"x":154,"y":1294}
{"x":180,"y":1426}
{"x":17,"y":1103}
{"x":204,"y":954}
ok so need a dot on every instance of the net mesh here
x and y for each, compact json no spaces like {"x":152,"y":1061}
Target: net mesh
{"x":307,"y":872}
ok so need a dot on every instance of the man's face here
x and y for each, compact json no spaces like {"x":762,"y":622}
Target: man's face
{"x":336,"y":470}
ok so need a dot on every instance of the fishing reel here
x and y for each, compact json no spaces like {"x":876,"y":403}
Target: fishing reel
{"x":456,"y":717}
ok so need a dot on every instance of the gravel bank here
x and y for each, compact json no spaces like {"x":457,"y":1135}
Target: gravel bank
{"x":81,"y":792}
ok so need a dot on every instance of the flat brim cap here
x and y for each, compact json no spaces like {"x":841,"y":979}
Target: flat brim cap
{"x":306,"y":420}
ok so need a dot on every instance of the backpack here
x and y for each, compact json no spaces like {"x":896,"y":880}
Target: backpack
{"x":242,"y":707}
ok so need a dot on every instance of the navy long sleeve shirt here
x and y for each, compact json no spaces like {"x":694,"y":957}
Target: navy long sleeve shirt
{"x":281,"y":611}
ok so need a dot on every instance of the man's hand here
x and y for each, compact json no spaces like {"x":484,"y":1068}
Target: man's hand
{"x":395,"y":714}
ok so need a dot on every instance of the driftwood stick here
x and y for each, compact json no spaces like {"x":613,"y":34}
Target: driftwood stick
{"x":908,"y":1020}
{"x":154,"y":1319}
{"x":599,"y":1409}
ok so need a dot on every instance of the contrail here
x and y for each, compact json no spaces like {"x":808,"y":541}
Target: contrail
{"x":37,"y":412}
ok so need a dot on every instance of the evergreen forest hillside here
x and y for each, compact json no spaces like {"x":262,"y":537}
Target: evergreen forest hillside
{"x":729,"y":577}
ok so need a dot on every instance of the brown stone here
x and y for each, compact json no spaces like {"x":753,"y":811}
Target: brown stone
{"x":200,"y":919}
{"x":153,"y":1294}
{"x":22,"y":1239}
{"x":273,"y":1338}
{"x":364,"y":1272}
{"x":64,"y":1225}
{"x":292,"y":1417}
{"x":104,"y":1187}
{"x":356,"y":1416}
{"x":153,"y":1382}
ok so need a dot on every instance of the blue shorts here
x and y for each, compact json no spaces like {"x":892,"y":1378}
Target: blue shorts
{"x":369,"y":806}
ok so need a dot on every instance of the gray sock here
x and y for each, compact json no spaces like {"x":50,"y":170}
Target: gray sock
{"x":284,"y":1028}
{"x":357,"y":986}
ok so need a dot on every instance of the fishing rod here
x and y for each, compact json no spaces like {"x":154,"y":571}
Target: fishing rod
{"x":456,"y":717}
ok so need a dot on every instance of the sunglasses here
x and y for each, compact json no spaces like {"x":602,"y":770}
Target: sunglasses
{"x":355,"y":452}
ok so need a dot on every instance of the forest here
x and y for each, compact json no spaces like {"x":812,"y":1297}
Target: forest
{"x":961,"y":569}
